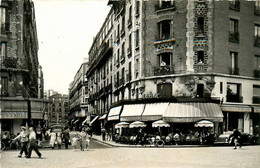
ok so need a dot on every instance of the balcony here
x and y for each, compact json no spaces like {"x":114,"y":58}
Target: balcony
{"x":163,"y":37}
{"x":257,"y":10}
{"x":234,"y":5}
{"x":234,"y":98}
{"x":256,"y":99}
{"x":167,"y":70}
{"x":11,"y":62}
{"x":257,"y":73}
{"x":233,"y":71}
{"x":165,"y":6}
{"x":234,"y":37}
{"x":257,"y":41}
{"x":201,"y":67}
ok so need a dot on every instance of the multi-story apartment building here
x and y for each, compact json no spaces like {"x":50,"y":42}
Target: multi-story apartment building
{"x":187,"y":54}
{"x":21,"y":98}
{"x":58,"y":109}
{"x":78,"y":97}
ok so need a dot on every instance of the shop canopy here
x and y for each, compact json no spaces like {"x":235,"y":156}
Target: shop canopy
{"x":122,"y":125}
{"x":256,"y":109}
{"x":204,"y":123}
{"x":193,"y":112}
{"x":103,"y":117}
{"x":154,"y":111}
{"x":87,"y":120}
{"x":160,"y":123}
{"x":137,"y":124}
{"x":91,"y":123}
{"x":114,"y":113}
{"x":132,"y":112}
{"x":236,"y":108}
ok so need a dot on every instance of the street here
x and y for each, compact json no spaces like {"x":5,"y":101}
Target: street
{"x":101,"y":155}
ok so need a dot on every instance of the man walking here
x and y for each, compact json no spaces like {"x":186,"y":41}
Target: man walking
{"x":23,"y":137}
{"x":236,"y":138}
{"x":66,"y":137}
{"x":32,"y":143}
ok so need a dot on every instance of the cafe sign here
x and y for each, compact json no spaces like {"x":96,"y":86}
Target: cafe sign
{"x":13,"y":115}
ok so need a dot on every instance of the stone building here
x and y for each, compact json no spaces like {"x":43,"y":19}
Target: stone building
{"x":21,"y":78}
{"x":199,"y":57}
{"x":78,"y":97}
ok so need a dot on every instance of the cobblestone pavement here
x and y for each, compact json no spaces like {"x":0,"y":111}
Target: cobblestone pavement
{"x":224,"y":157}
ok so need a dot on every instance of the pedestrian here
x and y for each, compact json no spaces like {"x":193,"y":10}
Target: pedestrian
{"x":23,"y":137}
{"x":32,"y":143}
{"x":74,"y":141}
{"x":39,"y":134}
{"x":52,"y":139}
{"x":58,"y":139}
{"x":87,"y":141}
{"x":82,"y":140}
{"x":176,"y":138}
{"x":236,"y":138}
{"x":103,"y":132}
{"x":66,"y":137}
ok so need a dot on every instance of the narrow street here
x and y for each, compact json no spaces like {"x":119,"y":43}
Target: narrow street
{"x":103,"y":156}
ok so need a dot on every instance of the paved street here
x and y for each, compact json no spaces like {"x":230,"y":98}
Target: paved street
{"x":103,"y":156}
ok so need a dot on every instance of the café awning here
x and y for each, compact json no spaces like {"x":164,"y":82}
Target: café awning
{"x":103,"y":117}
{"x":193,"y":112}
{"x":114,"y":113}
{"x":154,"y":111}
{"x":132,"y":112}
{"x":91,"y":123}
{"x":87,"y":120}
{"x":204,"y":123}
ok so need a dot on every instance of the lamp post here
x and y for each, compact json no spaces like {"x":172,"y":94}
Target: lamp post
{"x":29,"y":115}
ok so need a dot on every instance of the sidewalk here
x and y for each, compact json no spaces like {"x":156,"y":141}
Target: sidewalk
{"x":114,"y":144}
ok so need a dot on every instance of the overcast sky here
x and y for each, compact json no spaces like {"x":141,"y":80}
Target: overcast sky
{"x":65,"y":33}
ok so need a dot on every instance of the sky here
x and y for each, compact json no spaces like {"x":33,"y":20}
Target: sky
{"x":65,"y":30}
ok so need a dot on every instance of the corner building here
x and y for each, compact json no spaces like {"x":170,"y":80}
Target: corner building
{"x":200,"y":57}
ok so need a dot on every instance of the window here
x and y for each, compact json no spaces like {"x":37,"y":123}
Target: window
{"x":123,"y":26}
{"x":117,"y":58}
{"x":164,"y":90}
{"x":221,"y":87}
{"x":164,"y":4}
{"x":234,"y":61}
{"x":130,"y":16}
{"x":200,"y":23}
{"x":234,"y":5}
{"x":137,"y":39}
{"x":123,"y":76}
{"x":256,"y":94}
{"x":3,"y":17}
{"x":118,"y":31}
{"x":234,"y":93}
{"x":129,"y":44}
{"x":200,"y":90}
{"x":164,"y":30}
{"x":233,"y":31}
{"x":165,"y":59}
{"x":257,"y":66}
{"x":257,"y":7}
{"x":130,"y":71}
{"x":117,"y":78}
{"x":3,"y":50}
{"x":123,"y":51}
{"x":200,"y":55}
{"x":257,"y":35}
{"x":137,"y":8}
{"x":4,"y":86}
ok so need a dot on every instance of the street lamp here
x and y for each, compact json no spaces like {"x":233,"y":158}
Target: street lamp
{"x":29,"y":117}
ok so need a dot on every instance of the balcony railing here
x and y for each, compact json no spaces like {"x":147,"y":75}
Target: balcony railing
{"x":163,"y":37}
{"x":256,"y":99}
{"x":234,"y":5}
{"x":234,"y":37}
{"x":257,"y":41}
{"x":257,"y":10}
{"x":234,"y":71}
{"x":257,"y":73}
{"x":167,"y":70}
{"x":234,"y":98}
{"x":11,"y":62}
{"x":170,"y":5}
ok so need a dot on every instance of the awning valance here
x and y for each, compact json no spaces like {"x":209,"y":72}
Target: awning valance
{"x":132,"y":112}
{"x":236,"y":108}
{"x":103,"y":117}
{"x":154,"y":111}
{"x":204,"y":123}
{"x":193,"y":112}
{"x":256,"y":109}
{"x":114,"y":113}
{"x":87,"y":120}
{"x":91,"y":123}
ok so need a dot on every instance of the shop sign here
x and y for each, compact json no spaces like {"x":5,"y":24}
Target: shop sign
{"x":151,"y":95}
{"x":13,"y":115}
{"x":37,"y":116}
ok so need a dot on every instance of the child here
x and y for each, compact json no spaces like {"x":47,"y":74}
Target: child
{"x":74,"y":141}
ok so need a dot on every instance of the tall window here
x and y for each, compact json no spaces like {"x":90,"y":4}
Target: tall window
{"x":164,"y":30}
{"x":123,"y":25}
{"x":200,"y":23}
{"x":123,"y":76}
{"x":130,"y":71}
{"x":137,"y":38}
{"x":137,"y":8}
{"x":234,"y":92}
{"x":233,"y":31}
{"x":4,"y":86}
{"x":200,"y":55}
{"x":200,"y":90}
{"x":130,"y":15}
{"x":130,"y":44}
{"x":234,"y":5}
{"x":256,"y":94}
{"x":257,"y":61}
{"x":118,"y":54}
{"x":165,"y":60}
{"x":257,"y":7}
{"x":3,"y":50}
{"x":257,"y":35}
{"x":164,"y":4}
{"x":123,"y":51}
{"x":3,"y":17}
{"x":234,"y":61}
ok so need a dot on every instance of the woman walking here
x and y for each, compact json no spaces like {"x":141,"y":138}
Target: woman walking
{"x":82,"y":140}
{"x":52,"y":139}
{"x":59,"y":140}
{"x":23,"y":137}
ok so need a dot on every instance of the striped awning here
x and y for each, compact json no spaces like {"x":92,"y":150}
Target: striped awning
{"x":236,"y":108}
{"x":91,"y":123}
{"x":193,"y":112}
{"x":87,"y":120}
{"x":103,"y":117}
{"x":154,"y":111}
{"x":132,"y":112}
{"x":114,"y":113}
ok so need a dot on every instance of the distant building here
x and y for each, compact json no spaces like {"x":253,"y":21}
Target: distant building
{"x":22,"y":86}
{"x":200,"y":57}
{"x":58,"y":109}
{"x":78,"y":97}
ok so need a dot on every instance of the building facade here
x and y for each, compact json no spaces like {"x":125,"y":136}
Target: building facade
{"x":21,"y":79}
{"x":58,"y":109}
{"x":193,"y":55}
